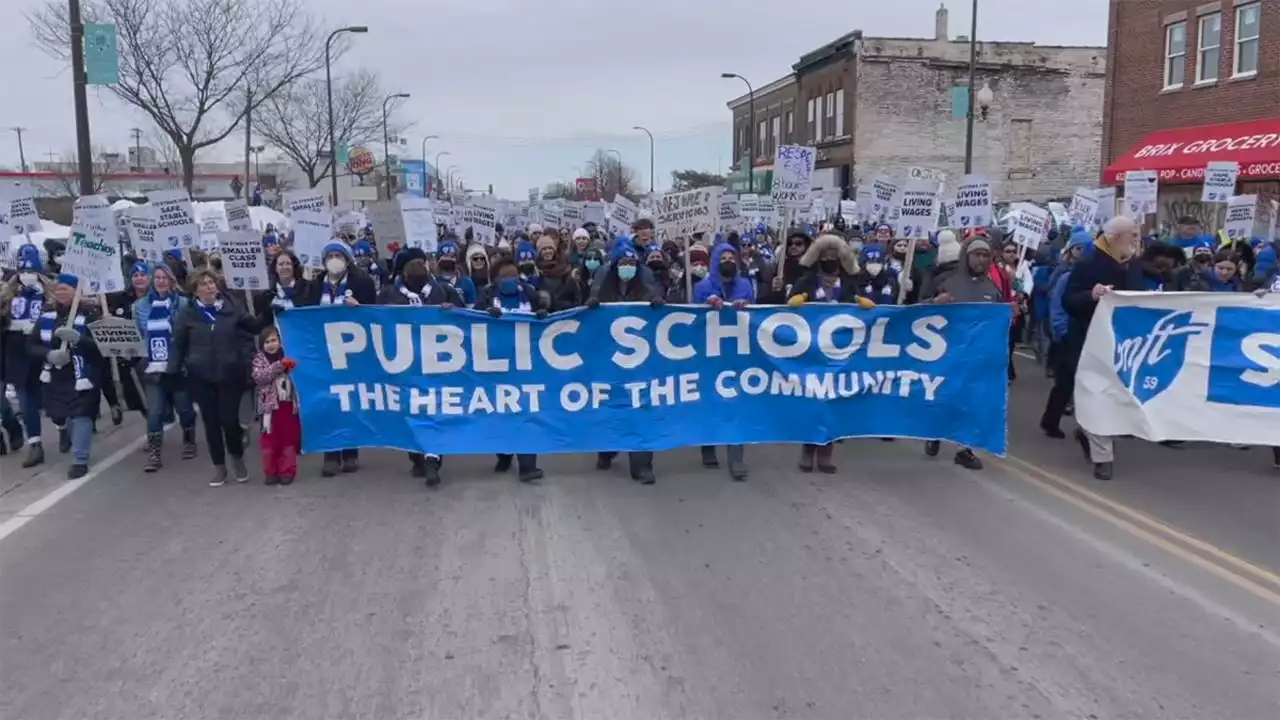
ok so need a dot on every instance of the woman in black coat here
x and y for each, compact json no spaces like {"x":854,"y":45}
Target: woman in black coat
{"x":213,"y":348}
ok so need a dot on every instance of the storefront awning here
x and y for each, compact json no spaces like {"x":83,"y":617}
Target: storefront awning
{"x":1182,"y":154}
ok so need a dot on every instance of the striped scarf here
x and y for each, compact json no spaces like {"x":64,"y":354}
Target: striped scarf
{"x":48,"y":323}
{"x":209,"y":313}
{"x":25,"y":308}
{"x":159,"y":333}
{"x":333,"y":295}
{"x":284,"y":297}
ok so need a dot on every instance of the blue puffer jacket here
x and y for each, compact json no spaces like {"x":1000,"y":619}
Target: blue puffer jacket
{"x":1058,"y":318}
{"x":713,"y":285}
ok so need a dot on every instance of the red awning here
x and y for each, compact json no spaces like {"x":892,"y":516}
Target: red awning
{"x":1182,"y":154}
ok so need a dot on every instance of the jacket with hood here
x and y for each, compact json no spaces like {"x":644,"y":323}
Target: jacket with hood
{"x":958,"y":281}
{"x":458,"y":277}
{"x":713,"y":285}
{"x":810,"y":288}
{"x":559,"y":284}
{"x":1058,"y":318}
{"x":610,"y":288}
{"x":16,"y":365}
{"x":476,"y":251}
{"x":881,"y":288}
{"x":359,"y":284}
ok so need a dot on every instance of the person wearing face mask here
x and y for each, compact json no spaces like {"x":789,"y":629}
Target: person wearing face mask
{"x":754,"y":265}
{"x":1201,"y":254}
{"x":622,"y":283}
{"x":668,"y":285}
{"x":366,"y":259}
{"x":509,"y":294}
{"x":70,"y":366}
{"x":340,"y":284}
{"x":725,"y":285}
{"x":447,"y":271}
{"x":699,"y":262}
{"x":592,"y":261}
{"x":559,"y":287}
{"x":54,"y":250}
{"x":155,"y":313}
{"x":120,"y":305}
{"x":527,"y":262}
{"x":897,"y":262}
{"x":22,"y":301}
{"x":790,"y":270}
{"x":874,"y":280}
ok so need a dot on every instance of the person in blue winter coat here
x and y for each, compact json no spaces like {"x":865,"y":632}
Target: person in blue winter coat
{"x":447,"y":271}
{"x":527,"y":262}
{"x":725,"y":284}
{"x":874,"y":280}
{"x":1064,"y":364}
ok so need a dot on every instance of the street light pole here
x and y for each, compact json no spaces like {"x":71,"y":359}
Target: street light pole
{"x":751,"y":129}
{"x":646,"y":132}
{"x":973,"y":79}
{"x":386,"y":141}
{"x":328,"y":90}
{"x":439,"y":174}
{"x":424,"y":162}
{"x":80,"y":82}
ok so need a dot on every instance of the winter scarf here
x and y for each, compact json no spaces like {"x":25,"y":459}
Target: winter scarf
{"x":209,"y":313}
{"x":331,"y":294}
{"x":48,"y":322}
{"x":159,"y":332}
{"x":284,"y":297}
{"x":414,"y":298}
{"x":25,"y":308}
{"x":822,"y":294}
{"x":516,"y":302}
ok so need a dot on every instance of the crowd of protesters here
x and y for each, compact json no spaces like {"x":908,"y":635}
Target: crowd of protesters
{"x":216,"y":356}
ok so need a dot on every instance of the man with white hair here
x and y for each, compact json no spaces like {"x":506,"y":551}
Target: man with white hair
{"x":1111,"y":266}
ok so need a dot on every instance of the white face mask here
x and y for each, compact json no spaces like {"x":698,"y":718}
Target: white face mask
{"x":335,"y":266}
{"x":29,"y":279}
{"x":875,"y":268}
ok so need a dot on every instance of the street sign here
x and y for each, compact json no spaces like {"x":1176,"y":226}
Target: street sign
{"x":101,"y":63}
{"x":361,"y":161}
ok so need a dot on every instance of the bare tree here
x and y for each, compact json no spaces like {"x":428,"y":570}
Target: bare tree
{"x":166,"y":151}
{"x":68,"y":180}
{"x":295,"y":120}
{"x":612,"y":175}
{"x":187,"y":63}
{"x":561,"y":191}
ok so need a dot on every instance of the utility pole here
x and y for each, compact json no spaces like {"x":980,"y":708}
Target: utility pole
{"x":137,"y":149}
{"x":248,"y":142}
{"x":22,"y":154}
{"x":79,"y":82}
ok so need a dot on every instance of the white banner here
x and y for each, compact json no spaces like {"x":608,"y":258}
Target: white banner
{"x":793,"y":175}
{"x":593,"y":212}
{"x":681,"y":214}
{"x":244,"y":262}
{"x":918,"y":210}
{"x":973,"y":203}
{"x":1183,"y":366}
{"x":1106,"y":206}
{"x":1220,"y":181}
{"x":93,"y":253}
{"x":175,"y":219}
{"x":311,"y":232}
{"x":749,"y":203}
{"x":419,"y":219}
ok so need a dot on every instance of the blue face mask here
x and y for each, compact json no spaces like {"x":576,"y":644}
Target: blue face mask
{"x":592,"y":265}
{"x":626,"y":272}
{"x":508,"y":286}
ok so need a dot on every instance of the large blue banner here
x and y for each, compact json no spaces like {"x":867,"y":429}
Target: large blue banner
{"x":631,"y":377}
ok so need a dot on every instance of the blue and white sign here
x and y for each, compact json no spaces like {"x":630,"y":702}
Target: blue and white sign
{"x":413,"y":177}
{"x":631,"y":377}
{"x":1183,"y":366}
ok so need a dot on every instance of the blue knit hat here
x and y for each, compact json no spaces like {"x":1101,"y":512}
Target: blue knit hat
{"x":68,"y":279}
{"x":29,"y":259}
{"x":526,"y":253}
{"x":447,"y":247}
{"x":336,"y":246}
{"x":363,"y":248}
{"x":139,"y":268}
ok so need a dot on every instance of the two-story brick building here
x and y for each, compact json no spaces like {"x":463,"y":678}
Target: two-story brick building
{"x":899,"y":105}
{"x":1189,"y":82}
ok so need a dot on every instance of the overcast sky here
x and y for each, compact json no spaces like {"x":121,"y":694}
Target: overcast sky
{"x":524,"y":91}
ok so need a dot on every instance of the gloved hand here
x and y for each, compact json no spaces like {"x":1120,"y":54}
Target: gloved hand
{"x":797,"y":300}
{"x":865,"y":303}
{"x":495,"y":312}
{"x":69,"y":335}
{"x":657,"y":302}
{"x":58,"y":357}
{"x":288,"y":363}
{"x":593,"y":303}
{"x":540,"y":314}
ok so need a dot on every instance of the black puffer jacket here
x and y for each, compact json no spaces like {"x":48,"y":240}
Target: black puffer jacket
{"x":217,"y":352}
{"x":61,"y":398}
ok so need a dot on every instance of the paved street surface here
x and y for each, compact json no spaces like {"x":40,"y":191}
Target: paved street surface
{"x":901,"y":588}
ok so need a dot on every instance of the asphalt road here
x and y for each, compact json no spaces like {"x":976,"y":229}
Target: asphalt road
{"x":902,"y":587}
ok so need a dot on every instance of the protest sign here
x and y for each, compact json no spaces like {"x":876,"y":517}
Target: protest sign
{"x":622,"y":213}
{"x":175,"y":219}
{"x":1029,"y":226}
{"x":311,"y":232}
{"x":849,"y":211}
{"x":238,"y":217}
{"x":1241,"y":217}
{"x":593,"y":212}
{"x":483,"y":221}
{"x":92,"y":250}
{"x":347,"y":224}
{"x":535,"y":195}
{"x":749,"y":204}
{"x":730,"y":213}
{"x":793,"y":175}
{"x":1141,"y":190}
{"x":1106,"y":207}
{"x":918,"y":209}
{"x":972,"y":203}
{"x":244,"y":263}
{"x":647,"y":378}
{"x":118,"y":337}
{"x":388,"y":226}
{"x":766,"y":210}
{"x":1182,"y":366}
{"x":143,"y":221}
{"x":419,"y":220}
{"x":884,"y":198}
{"x":1084,"y":204}
{"x":681,"y":214}
{"x":1219,"y":181}
{"x":212,"y":219}
{"x":313,"y":201}
{"x":552,"y":217}
{"x":23,"y":217}
{"x":571,"y":214}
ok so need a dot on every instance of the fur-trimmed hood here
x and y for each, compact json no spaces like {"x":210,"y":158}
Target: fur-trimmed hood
{"x":827,"y":241}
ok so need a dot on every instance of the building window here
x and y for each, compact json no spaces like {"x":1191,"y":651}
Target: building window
{"x":777,"y":130}
{"x":1020,"y":147}
{"x":829,"y":124}
{"x":809,"y":128}
{"x":1175,"y":55}
{"x":1209,"y":47}
{"x":817,"y":123}
{"x":1248,"y":30}
{"x":763,"y":138}
{"x":840,"y":112}
{"x":791,"y":126}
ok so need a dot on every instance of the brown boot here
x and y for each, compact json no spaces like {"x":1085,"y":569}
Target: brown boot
{"x":806,"y":457}
{"x":824,"y":459}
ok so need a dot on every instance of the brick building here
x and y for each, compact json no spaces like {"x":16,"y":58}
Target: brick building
{"x":898,"y":106}
{"x":1190,"y":82}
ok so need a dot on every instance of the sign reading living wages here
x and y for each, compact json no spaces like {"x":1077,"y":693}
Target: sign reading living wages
{"x":972,"y":203}
{"x":118,"y":337}
{"x":918,"y":214}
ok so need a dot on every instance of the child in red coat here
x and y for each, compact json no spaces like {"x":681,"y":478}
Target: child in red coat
{"x":277,"y":409}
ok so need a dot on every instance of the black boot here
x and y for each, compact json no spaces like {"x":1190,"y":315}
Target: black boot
{"x":431,"y":471}
{"x":35,"y":455}
{"x":154,"y":442}
{"x":967,"y":460}
{"x":709,"y":459}
{"x":64,"y":439}
{"x":932,"y":447}
{"x":188,"y":443}
{"x":503,"y":464}
{"x":1102,"y":471}
{"x":16,"y":436}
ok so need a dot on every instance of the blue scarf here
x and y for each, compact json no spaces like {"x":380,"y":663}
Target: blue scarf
{"x":515,"y":303}
{"x":48,"y":323}
{"x":284,"y":297}
{"x":331,"y":295}
{"x":25,"y":308}
{"x":159,"y":332}
{"x":209,"y":313}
